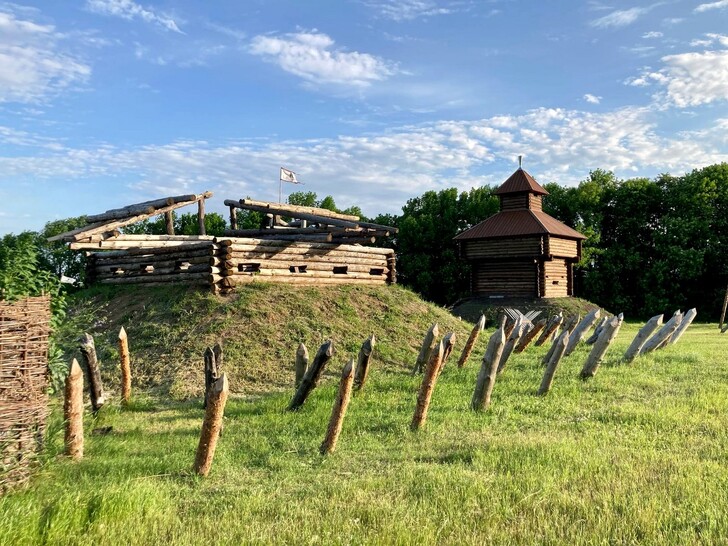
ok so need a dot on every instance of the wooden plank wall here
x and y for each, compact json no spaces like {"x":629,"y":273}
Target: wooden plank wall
{"x":531,"y":247}
{"x":511,"y":278}
{"x":555,"y":278}
{"x":563,"y":248}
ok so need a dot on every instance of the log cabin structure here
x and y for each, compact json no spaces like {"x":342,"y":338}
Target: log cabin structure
{"x":521,"y":251}
{"x":293,"y":244}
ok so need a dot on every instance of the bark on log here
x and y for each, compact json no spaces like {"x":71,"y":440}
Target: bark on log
{"x":211,"y":426}
{"x":427,"y":386}
{"x":488,"y":370}
{"x":472,"y":340}
{"x":147,"y":207}
{"x":525,"y":341}
{"x":96,"y":388}
{"x":73,"y":412}
{"x":201,"y":216}
{"x":552,"y":325}
{"x":339,"y":410}
{"x":511,"y":343}
{"x":270,"y":232}
{"x":233,"y":218}
{"x":641,"y":338}
{"x":428,"y":345}
{"x":609,"y":332}
{"x":663,"y":333}
{"x":293,"y":210}
{"x":316,"y":218}
{"x":125,"y":367}
{"x":212,"y":373}
{"x":559,"y":346}
{"x":684,"y":323}
{"x":312,"y":375}
{"x":169,"y":222}
{"x":301,"y":363}
{"x":363,"y":362}
{"x":581,"y":330}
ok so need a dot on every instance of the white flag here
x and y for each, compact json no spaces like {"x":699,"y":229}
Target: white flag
{"x":288,"y":176}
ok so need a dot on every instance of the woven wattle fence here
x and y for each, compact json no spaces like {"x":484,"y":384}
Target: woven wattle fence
{"x":24,"y":330}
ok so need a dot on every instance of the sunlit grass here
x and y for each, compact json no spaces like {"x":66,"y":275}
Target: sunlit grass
{"x":636,"y":455}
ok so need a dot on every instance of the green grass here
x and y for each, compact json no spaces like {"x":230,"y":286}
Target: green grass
{"x":636,"y":455}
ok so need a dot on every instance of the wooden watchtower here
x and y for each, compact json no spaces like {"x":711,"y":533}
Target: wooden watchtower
{"x":521,"y":251}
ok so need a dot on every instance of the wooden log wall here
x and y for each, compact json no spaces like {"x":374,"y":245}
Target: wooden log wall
{"x":564,"y":248}
{"x":226,"y":263}
{"x":555,"y":278}
{"x":502,"y":248}
{"x":512,"y":278}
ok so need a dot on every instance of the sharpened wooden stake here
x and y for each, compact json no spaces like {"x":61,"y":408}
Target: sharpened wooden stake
{"x":551,"y":327}
{"x":581,"y":329}
{"x":559,"y":346}
{"x":96,"y":388}
{"x":312,"y":375}
{"x":125,"y":367}
{"x":73,"y":412}
{"x":526,"y":339}
{"x":211,"y":426}
{"x":428,"y":345}
{"x":470,"y":344}
{"x":426,"y":387}
{"x":363,"y":361}
{"x":684,"y":323}
{"x":663,"y":334}
{"x":722,"y":313}
{"x":339,"y":410}
{"x":489,"y":369}
{"x":301,"y":363}
{"x":609,"y":332}
{"x":591,"y":340}
{"x":211,"y":373}
{"x":641,"y":338}
{"x":169,"y":222}
{"x":513,"y":338}
{"x":448,"y":344}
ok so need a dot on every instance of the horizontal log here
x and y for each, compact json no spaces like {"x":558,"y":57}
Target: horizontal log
{"x":155,"y":272}
{"x":291,"y":210}
{"x":196,"y":257}
{"x":355,"y":240}
{"x":280,"y":230}
{"x":309,"y":273}
{"x":311,"y":265}
{"x":313,"y":238}
{"x":158,"y":264}
{"x":298,"y":259}
{"x":169,"y":278}
{"x":231,"y":282}
{"x":246,"y":244}
{"x":123,"y":244}
{"x":160,"y":250}
{"x":140,"y":208}
{"x":302,"y":215}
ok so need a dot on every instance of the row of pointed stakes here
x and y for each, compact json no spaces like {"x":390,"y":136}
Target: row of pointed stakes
{"x":433,"y":355}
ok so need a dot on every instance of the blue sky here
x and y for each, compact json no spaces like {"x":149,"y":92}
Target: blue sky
{"x":108,"y":102}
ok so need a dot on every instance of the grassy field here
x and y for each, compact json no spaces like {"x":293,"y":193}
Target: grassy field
{"x":637,"y":455}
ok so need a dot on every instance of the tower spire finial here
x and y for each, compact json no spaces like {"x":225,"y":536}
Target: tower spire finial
{"x":520,"y":161}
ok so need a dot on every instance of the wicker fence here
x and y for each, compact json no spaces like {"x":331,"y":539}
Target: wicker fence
{"x":24,"y":330}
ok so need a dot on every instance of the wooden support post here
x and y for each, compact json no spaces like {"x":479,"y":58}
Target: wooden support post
{"x":470,"y":344}
{"x":553,"y":362}
{"x":301,"y":363}
{"x":125,"y":367}
{"x":448,"y":344}
{"x":212,"y":373}
{"x":663,"y":334}
{"x":73,"y":412}
{"x":722,"y":313}
{"x":201,"y":216}
{"x":598,"y":330}
{"x":513,"y":338}
{"x":488,"y":370}
{"x":526,"y":339}
{"x":363,"y":361}
{"x":211,"y":426}
{"x":551,"y":327}
{"x":169,"y":222}
{"x":426,"y":387}
{"x":339,"y":410}
{"x":581,"y":329}
{"x":609,"y":332}
{"x":686,"y":321}
{"x":312,"y":375}
{"x":641,"y":338}
{"x":96,"y":389}
{"x":233,"y":218}
{"x":428,"y":345}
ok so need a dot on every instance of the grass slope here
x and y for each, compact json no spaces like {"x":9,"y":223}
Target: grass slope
{"x":260,"y":327}
{"x":637,"y":455}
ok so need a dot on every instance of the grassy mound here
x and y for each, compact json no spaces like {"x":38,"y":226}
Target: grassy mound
{"x":471,"y":308}
{"x":260,"y":327}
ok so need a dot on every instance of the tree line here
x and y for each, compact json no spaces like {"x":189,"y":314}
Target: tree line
{"x":653,"y":245}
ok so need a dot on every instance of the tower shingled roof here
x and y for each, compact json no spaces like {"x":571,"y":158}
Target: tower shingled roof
{"x":520,"y":181}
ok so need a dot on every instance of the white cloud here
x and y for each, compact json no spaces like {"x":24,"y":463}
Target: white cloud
{"x":129,"y":10}
{"x":381,"y":171}
{"x":592,"y":99}
{"x":312,"y":56}
{"x":651,"y":35}
{"x":712,"y":5}
{"x":620,"y":18}
{"x":406,"y":10}
{"x":33,"y":64}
